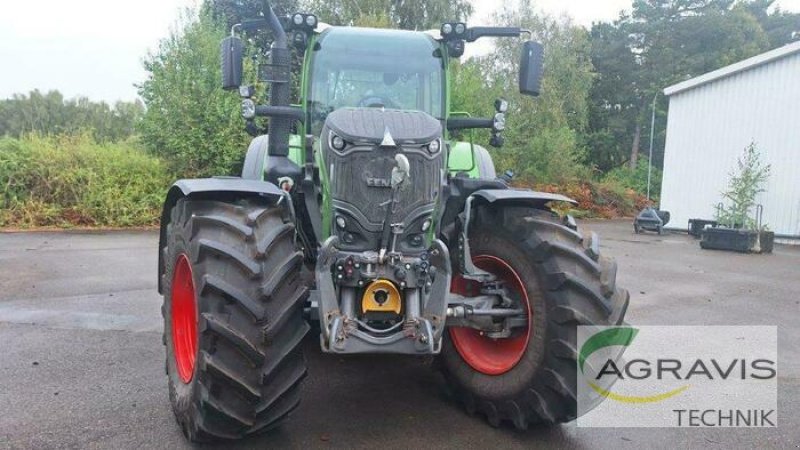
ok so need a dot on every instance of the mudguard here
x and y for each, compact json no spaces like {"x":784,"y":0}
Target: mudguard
{"x":533,"y":198}
{"x":208,"y":187}
{"x":509,"y":196}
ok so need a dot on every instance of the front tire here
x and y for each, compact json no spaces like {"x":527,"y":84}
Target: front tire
{"x":532,"y":376}
{"x":233,"y":321}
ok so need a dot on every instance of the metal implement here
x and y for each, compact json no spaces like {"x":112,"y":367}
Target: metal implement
{"x":651,"y":219}
{"x":381,"y":296}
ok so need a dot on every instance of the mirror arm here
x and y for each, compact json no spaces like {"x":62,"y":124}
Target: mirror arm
{"x":464,"y":123}
{"x":248,"y":25}
{"x":285,"y":112}
{"x":474,"y":33}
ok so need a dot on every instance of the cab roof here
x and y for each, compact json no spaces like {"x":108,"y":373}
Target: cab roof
{"x":362,"y":40}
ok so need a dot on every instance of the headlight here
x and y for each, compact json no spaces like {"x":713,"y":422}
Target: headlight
{"x":248,"y":109}
{"x":499,"y":122}
{"x":460,"y":28}
{"x":500,"y":105}
{"x":434,"y":147}
{"x":246,"y":91}
{"x":297,"y":19}
{"x":426,"y":225}
{"x":341,"y":222}
{"x":337,"y":142}
{"x":447,"y":28}
{"x":311,"y":21}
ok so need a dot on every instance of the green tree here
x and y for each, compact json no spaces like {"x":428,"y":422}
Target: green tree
{"x":235,"y":11}
{"x":543,"y":135}
{"x":403,"y":14}
{"x":613,"y":102}
{"x":51,"y":114}
{"x":190,"y":120}
{"x":231,"y":12}
{"x":660,"y":43}
{"x":781,"y":26}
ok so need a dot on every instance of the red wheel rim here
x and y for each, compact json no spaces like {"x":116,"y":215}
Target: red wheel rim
{"x":184,"y":319}
{"x":486,"y":355}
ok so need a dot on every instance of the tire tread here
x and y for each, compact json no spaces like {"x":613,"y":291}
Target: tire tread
{"x":250,"y":293}
{"x":578,"y":287}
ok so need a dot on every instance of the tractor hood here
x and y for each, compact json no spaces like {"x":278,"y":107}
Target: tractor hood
{"x":380,"y":126}
{"x":360,"y":170}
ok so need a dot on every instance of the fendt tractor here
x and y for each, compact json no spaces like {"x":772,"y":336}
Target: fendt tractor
{"x":358,"y":208}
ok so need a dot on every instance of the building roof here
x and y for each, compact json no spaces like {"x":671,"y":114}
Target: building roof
{"x":741,"y":66}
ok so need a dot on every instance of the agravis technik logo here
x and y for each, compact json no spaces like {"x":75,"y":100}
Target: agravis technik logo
{"x":677,"y":376}
{"x":622,"y":336}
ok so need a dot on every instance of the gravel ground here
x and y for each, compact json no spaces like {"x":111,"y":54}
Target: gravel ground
{"x":82,"y":363}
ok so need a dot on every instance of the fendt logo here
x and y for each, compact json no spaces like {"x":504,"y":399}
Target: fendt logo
{"x":705,"y":373}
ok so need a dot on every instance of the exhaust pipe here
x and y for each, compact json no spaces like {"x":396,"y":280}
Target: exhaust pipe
{"x":279,"y":92}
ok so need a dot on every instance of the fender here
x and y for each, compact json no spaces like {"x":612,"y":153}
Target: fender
{"x":208,"y":188}
{"x":510,"y":196}
{"x":533,"y":198}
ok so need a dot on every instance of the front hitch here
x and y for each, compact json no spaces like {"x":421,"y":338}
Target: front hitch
{"x":342,"y":329}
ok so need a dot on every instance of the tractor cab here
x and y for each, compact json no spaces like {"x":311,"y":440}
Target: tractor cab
{"x":373,"y":68}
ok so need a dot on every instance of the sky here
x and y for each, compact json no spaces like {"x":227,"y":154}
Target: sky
{"x":94,"y":48}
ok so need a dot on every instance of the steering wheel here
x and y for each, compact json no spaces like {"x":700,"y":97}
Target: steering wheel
{"x":376,"y":101}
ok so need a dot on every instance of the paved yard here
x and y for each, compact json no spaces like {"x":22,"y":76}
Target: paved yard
{"x":82,"y":365}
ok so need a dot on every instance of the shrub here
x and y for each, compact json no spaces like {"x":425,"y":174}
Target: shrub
{"x":595,"y":199}
{"x":636,"y":179}
{"x":67,"y":181}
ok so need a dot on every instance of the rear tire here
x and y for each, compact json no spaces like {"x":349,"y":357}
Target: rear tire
{"x":245,"y":373}
{"x":566,"y":284}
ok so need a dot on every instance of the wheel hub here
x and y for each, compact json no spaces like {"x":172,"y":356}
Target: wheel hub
{"x":485,"y":354}
{"x":184,"y":319}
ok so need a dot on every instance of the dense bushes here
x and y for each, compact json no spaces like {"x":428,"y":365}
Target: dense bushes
{"x":636,"y":179}
{"x":595,"y":198}
{"x":75,"y":181}
{"x":66,"y":181}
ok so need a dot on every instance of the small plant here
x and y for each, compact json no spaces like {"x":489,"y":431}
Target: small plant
{"x":745,"y":183}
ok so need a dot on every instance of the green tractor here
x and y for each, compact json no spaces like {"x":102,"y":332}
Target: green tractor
{"x":359,"y":211}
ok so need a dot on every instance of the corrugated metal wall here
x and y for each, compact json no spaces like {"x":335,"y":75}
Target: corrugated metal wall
{"x":710,"y":125}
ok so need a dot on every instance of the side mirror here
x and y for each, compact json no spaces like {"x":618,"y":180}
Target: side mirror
{"x":231,"y":50}
{"x":530,"y":68}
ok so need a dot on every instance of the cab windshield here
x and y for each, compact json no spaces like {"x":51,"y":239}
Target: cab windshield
{"x":355,"y":67}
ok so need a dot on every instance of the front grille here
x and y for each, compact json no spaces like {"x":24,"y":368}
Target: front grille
{"x":360,"y":174}
{"x":362,"y":179}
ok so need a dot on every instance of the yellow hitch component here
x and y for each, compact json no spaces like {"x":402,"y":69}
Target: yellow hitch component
{"x":381,"y":295}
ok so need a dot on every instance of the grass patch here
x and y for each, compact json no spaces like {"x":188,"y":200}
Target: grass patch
{"x":69,"y":181}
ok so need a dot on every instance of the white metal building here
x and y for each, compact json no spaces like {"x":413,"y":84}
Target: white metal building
{"x":713,"y":117}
